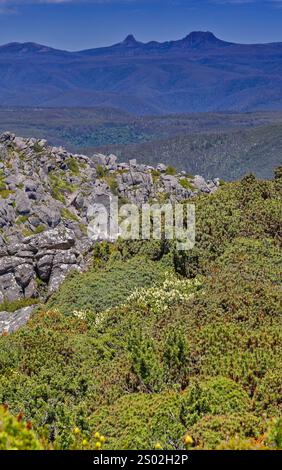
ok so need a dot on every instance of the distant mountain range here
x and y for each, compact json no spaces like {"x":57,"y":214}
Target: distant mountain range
{"x":197,"y":73}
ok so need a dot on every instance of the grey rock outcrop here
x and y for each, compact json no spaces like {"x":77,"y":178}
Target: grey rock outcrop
{"x":45,"y":197}
{"x":46,"y":257}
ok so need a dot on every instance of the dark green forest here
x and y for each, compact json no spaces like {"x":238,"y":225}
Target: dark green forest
{"x":223,"y":145}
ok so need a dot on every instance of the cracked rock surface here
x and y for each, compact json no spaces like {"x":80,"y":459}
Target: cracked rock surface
{"x":10,"y":322}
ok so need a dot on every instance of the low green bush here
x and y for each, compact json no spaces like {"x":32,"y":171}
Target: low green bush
{"x":185,"y":183}
{"x":101,"y":289}
{"x":170,"y":170}
{"x":15,"y":434}
{"x":12,"y":306}
{"x":146,"y":360}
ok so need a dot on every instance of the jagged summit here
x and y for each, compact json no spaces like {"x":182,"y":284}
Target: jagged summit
{"x":130,"y":40}
{"x":203,"y":38}
{"x":194,"y":40}
{"x":196,"y":36}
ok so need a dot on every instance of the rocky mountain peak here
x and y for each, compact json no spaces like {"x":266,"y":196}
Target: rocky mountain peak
{"x":130,"y":40}
{"x":199,"y":39}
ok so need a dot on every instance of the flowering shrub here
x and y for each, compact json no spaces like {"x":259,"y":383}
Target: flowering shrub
{"x":80,"y":314}
{"x":80,"y":441}
{"x":15,"y":434}
{"x":174,"y":290}
{"x":100,"y":289}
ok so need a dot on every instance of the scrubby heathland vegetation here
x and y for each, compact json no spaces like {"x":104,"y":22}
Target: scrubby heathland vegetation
{"x":155,"y":348}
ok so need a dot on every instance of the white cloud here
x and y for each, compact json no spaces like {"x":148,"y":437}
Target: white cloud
{"x":11,"y":6}
{"x":37,"y":2}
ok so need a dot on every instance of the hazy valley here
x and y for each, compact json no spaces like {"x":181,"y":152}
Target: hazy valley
{"x":211,"y":144}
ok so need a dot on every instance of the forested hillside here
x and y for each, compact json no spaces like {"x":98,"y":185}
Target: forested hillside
{"x":156,"y":348}
{"x":224,"y":145}
{"x":229,"y":154}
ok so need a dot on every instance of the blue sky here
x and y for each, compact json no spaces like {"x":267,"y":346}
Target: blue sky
{"x":79,"y":24}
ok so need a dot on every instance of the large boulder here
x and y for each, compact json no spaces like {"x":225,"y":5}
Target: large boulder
{"x":23,"y":205}
{"x":10,"y":322}
{"x":48,"y":215}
